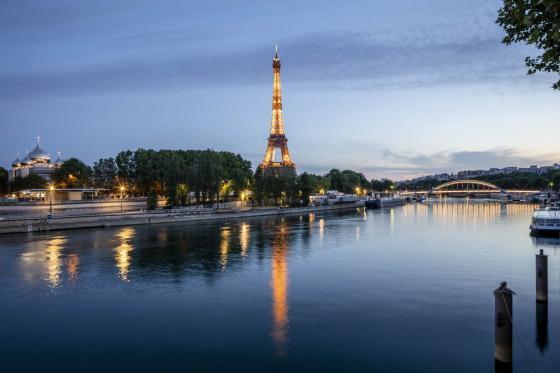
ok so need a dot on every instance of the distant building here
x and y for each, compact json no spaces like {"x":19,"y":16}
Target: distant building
{"x":471,"y":174}
{"x":531,"y":170}
{"x":442,"y":177}
{"x":36,"y":162}
{"x":509,"y":170}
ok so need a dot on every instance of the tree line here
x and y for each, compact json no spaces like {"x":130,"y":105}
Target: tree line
{"x":194,"y":176}
{"x":207,"y":176}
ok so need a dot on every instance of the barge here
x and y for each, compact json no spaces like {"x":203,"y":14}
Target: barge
{"x":546,"y":221}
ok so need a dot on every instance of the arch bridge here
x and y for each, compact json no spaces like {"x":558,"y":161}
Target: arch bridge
{"x":466,"y":187}
{"x":472,"y":187}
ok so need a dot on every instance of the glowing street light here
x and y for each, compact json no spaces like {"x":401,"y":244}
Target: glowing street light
{"x":122,"y":188}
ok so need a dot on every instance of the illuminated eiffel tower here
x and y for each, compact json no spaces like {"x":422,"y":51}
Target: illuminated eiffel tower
{"x":277,"y":140}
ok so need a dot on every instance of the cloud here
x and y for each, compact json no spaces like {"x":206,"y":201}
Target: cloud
{"x":454,"y":161}
{"x":404,"y":165}
{"x":339,"y":59}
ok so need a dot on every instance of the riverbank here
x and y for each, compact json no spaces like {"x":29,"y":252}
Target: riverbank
{"x":138,"y":218}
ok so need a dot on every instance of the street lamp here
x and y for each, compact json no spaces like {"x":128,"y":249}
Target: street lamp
{"x":122,"y":190}
{"x":51,"y":189}
{"x":242,"y":197}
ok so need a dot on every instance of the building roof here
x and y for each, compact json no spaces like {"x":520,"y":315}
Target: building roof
{"x":39,"y":154}
{"x":58,"y":161}
{"x":26,"y":160}
{"x":17,"y":162}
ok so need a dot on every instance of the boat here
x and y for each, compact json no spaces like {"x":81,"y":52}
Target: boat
{"x":377,"y":203}
{"x":334,"y":198}
{"x":546,"y":221}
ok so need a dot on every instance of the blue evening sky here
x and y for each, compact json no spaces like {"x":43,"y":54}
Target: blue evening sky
{"x":394,"y":88}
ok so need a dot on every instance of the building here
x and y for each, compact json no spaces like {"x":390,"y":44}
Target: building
{"x":62,"y":194}
{"x":277,"y":160}
{"x":36,"y":162}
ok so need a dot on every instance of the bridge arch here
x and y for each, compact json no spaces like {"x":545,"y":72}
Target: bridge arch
{"x":467,"y":186}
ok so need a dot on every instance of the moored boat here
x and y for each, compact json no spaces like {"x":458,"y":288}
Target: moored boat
{"x":546,"y":221}
{"x":377,"y":203}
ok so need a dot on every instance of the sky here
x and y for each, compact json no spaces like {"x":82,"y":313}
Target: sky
{"x":395,"y":89}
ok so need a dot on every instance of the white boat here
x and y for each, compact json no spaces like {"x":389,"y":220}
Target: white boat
{"x":385,"y":202}
{"x":335,"y":197}
{"x":546,"y":221}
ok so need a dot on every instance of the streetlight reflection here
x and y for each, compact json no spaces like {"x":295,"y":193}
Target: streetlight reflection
{"x":122,"y":255}
{"x":244,"y":239}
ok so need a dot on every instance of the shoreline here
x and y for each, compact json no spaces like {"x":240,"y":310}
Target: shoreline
{"x":28,"y":225}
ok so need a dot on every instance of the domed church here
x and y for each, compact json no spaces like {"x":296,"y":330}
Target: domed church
{"x":37,"y":162}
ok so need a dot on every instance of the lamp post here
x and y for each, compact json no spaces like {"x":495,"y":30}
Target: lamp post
{"x":122,"y":190}
{"x":242,"y":198}
{"x":51,"y":189}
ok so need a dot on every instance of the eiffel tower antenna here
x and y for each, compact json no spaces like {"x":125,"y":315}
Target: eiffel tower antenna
{"x":277,"y":139}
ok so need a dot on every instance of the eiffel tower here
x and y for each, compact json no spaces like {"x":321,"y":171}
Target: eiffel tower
{"x":277,"y":140}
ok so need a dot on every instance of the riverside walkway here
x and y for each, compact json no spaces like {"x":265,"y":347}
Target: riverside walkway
{"x":43,"y":223}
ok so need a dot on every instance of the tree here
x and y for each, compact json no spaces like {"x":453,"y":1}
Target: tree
{"x":104,"y":173}
{"x":308,"y":184}
{"x":535,"y":22}
{"x":33,"y":181}
{"x":126,"y":166}
{"x":277,"y":190}
{"x":382,"y":185}
{"x":72,"y":174}
{"x":4,"y":185}
{"x":176,"y":175}
{"x":237,"y":171}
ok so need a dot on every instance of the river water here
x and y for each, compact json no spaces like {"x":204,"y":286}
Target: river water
{"x":407,"y":289}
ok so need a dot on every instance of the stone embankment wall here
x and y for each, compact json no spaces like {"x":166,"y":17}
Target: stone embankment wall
{"x":135,"y":218}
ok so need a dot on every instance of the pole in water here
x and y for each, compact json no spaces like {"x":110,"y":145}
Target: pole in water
{"x":542,"y":326}
{"x":542,"y":276}
{"x":503,"y":298}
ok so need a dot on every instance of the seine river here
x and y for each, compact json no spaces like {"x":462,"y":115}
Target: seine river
{"x":407,"y":289}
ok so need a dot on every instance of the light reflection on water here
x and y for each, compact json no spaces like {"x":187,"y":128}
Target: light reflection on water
{"x":122,"y":252}
{"x":244,"y":235}
{"x":224,"y":247}
{"x":279,"y":285}
{"x":365,"y":284}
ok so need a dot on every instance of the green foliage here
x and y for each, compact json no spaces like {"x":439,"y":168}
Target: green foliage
{"x":4,"y":185}
{"x":524,"y":180}
{"x":347,"y":181}
{"x":33,"y":181}
{"x":275,"y":190}
{"x":126,"y":163}
{"x":151,"y":202}
{"x":382,"y":185}
{"x":72,"y":174}
{"x":104,"y":173}
{"x":176,"y":173}
{"x":307,"y":185}
{"x":534,"y":22}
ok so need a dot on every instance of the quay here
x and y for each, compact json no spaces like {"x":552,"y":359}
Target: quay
{"x":41,"y":224}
